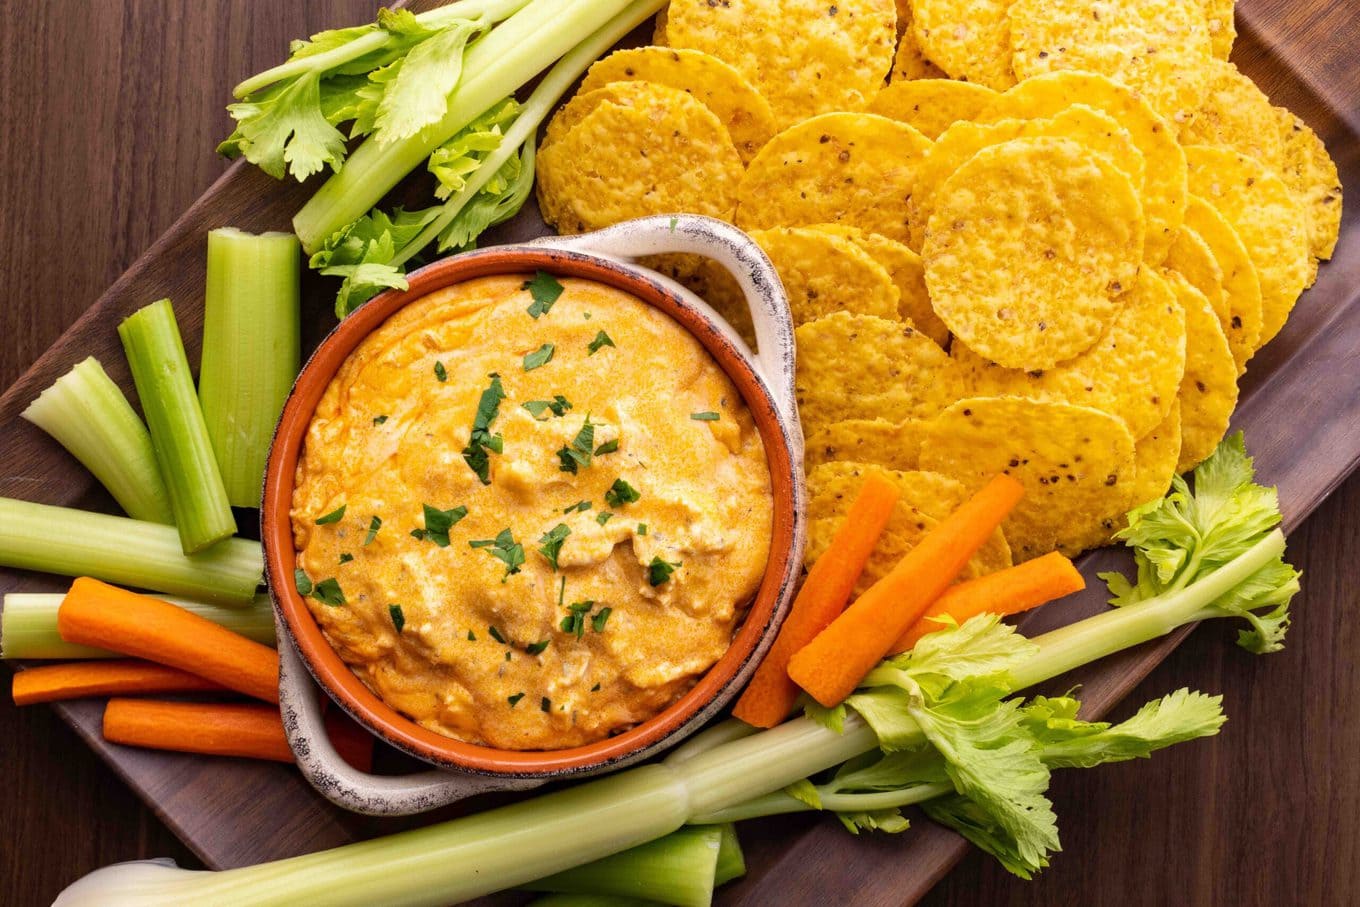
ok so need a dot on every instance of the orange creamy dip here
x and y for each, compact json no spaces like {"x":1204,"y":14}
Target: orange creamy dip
{"x":494,"y":656}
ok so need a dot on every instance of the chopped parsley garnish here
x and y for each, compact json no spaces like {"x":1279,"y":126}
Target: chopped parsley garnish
{"x":709,"y":416}
{"x":550,"y":544}
{"x":514,"y":700}
{"x":507,"y":654}
{"x":601,"y":341}
{"x":576,"y":455}
{"x":539,"y":357}
{"x":674,"y":221}
{"x":578,"y":507}
{"x":482,"y":440}
{"x":621,"y":493}
{"x":346,"y":557}
{"x":373,"y":526}
{"x":440,"y":372}
{"x":604,"y":516}
{"x":536,"y":648}
{"x":544,"y":289}
{"x":302,"y":581}
{"x":595,"y":689}
{"x":505,"y":549}
{"x":438,"y":523}
{"x":545,"y":704}
{"x":575,"y":621}
{"x":658,"y":571}
{"x":472,"y":637}
{"x":398,"y":618}
{"x":379,"y":420}
{"x":642,"y":529}
{"x":601,"y":617}
{"x":334,"y":516}
{"x":561,"y":591}
{"x":328,"y":592}
{"x":558,"y":406}
{"x":607,"y":447}
{"x":496,"y":635}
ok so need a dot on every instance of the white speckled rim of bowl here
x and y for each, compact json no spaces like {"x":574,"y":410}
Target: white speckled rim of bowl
{"x":765,"y":381}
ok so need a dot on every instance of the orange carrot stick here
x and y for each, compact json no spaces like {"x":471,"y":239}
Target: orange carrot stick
{"x":771,"y":694}
{"x":97,"y":614}
{"x":252,"y":730}
{"x":832,"y":665}
{"x":80,"y":680}
{"x":351,"y":741}
{"x":1009,"y":591}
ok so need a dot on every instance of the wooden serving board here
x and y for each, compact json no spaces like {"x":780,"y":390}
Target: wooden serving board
{"x":1300,"y":409}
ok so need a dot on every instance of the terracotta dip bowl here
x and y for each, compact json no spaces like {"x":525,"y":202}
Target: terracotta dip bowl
{"x":765,"y":382}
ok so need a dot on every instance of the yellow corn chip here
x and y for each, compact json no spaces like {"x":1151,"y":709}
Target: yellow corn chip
{"x":909,"y":62}
{"x":823,"y":273}
{"x":1241,"y":287}
{"x":875,"y":441}
{"x":932,"y":105}
{"x":1222,"y":28}
{"x":1236,"y":114}
{"x":1310,"y":173}
{"x":969,"y":39}
{"x":1208,"y":393}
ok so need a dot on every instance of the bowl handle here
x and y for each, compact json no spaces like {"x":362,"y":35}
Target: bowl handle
{"x":743,"y":259}
{"x":345,"y":786}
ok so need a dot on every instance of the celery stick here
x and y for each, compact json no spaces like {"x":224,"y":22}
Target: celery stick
{"x":677,"y":869}
{"x":28,"y":624}
{"x":588,"y":900}
{"x":130,"y":552}
{"x":89,"y":416}
{"x":251,"y":350}
{"x":161,"y":372}
{"x":731,"y":861}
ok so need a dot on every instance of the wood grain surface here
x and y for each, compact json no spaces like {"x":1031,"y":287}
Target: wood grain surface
{"x":109,"y":114}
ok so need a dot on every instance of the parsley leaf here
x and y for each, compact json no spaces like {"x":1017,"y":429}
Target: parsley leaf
{"x":551,"y":543}
{"x":398,"y":618}
{"x":438,"y":523}
{"x":379,"y":420}
{"x":621,"y":493}
{"x":302,"y":582}
{"x":334,"y":516}
{"x":709,"y":416}
{"x":536,"y":648}
{"x":575,"y":621}
{"x":472,"y":637}
{"x":601,"y":617}
{"x":346,"y":557}
{"x":577,"y":454}
{"x":659,"y":571}
{"x":373,"y":526}
{"x":608,"y":447}
{"x":558,"y":406}
{"x":539,"y":357}
{"x":578,"y":507}
{"x":440,"y":372}
{"x":604,"y":516}
{"x":506,"y":550}
{"x":514,"y":700}
{"x":328,"y":592}
{"x":601,"y":341}
{"x":544,"y":289}
{"x":641,"y":528}
{"x":481,"y":441}
{"x":496,"y":635}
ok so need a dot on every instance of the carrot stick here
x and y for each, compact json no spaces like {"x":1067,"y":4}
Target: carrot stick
{"x":771,"y":694}
{"x":252,"y":730}
{"x":97,"y":614}
{"x":80,"y":680}
{"x":1009,"y":591}
{"x":832,"y":665}
{"x":351,"y":741}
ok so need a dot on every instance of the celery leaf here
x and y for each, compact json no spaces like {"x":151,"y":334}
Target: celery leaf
{"x":416,"y":87}
{"x":283,"y":129}
{"x":1067,"y":742}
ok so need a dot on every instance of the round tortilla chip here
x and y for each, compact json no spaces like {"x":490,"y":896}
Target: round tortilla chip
{"x":1156,"y":47}
{"x":823,"y":273}
{"x":969,"y":39}
{"x":1030,"y":247}
{"x":1267,"y":217}
{"x":853,"y":168}
{"x":910,"y":61}
{"x":932,"y":105}
{"x":875,"y":441}
{"x":1088,"y":127}
{"x":1133,"y":371}
{"x":659,"y":29}
{"x":1071,"y":460}
{"x":1208,"y":393}
{"x":905,"y":268}
{"x":1241,"y":286}
{"x":1222,"y":29}
{"x":1236,"y":114}
{"x":926,"y":499}
{"x":662,"y":153}
{"x":862,"y":367}
{"x":717,"y":85}
{"x":804,"y":56}
{"x":1191,"y":257}
{"x":1310,"y":173}
{"x":1164,"y":189}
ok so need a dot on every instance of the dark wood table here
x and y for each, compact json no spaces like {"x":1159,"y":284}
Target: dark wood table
{"x":108,"y":115}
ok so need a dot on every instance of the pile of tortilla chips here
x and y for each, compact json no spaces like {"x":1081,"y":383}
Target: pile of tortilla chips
{"x":1040,"y":237}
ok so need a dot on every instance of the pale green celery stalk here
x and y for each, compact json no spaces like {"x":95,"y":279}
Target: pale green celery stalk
{"x":779,"y":803}
{"x":28,"y":624}
{"x":588,"y":900}
{"x":89,"y":416}
{"x":731,"y":861}
{"x":482,"y":11}
{"x":475,"y":855}
{"x":165,"y":385}
{"x":251,"y":350}
{"x":495,"y":66}
{"x":130,"y":552}
{"x":678,"y":869}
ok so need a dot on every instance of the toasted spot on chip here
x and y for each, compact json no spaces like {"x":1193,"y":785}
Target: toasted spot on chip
{"x":1156,"y":47}
{"x":1208,"y":392}
{"x":862,"y":367}
{"x":1236,"y":114}
{"x":1133,"y":371}
{"x":712,"y":283}
{"x":893,"y":445}
{"x":1218,"y":14}
{"x":1310,"y":173}
{"x":849,"y":168}
{"x":910,"y":61}
{"x":1164,"y":163}
{"x":932,"y":105}
{"x":715,"y":84}
{"x":1267,"y":217}
{"x":926,"y":499}
{"x":661,"y":153}
{"x":1071,"y":460}
{"x":1088,"y":127}
{"x":823,"y":273}
{"x":804,"y":56}
{"x":905,"y":268}
{"x":970,"y":40}
{"x":1241,"y":287}
{"x":1030,"y":248}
